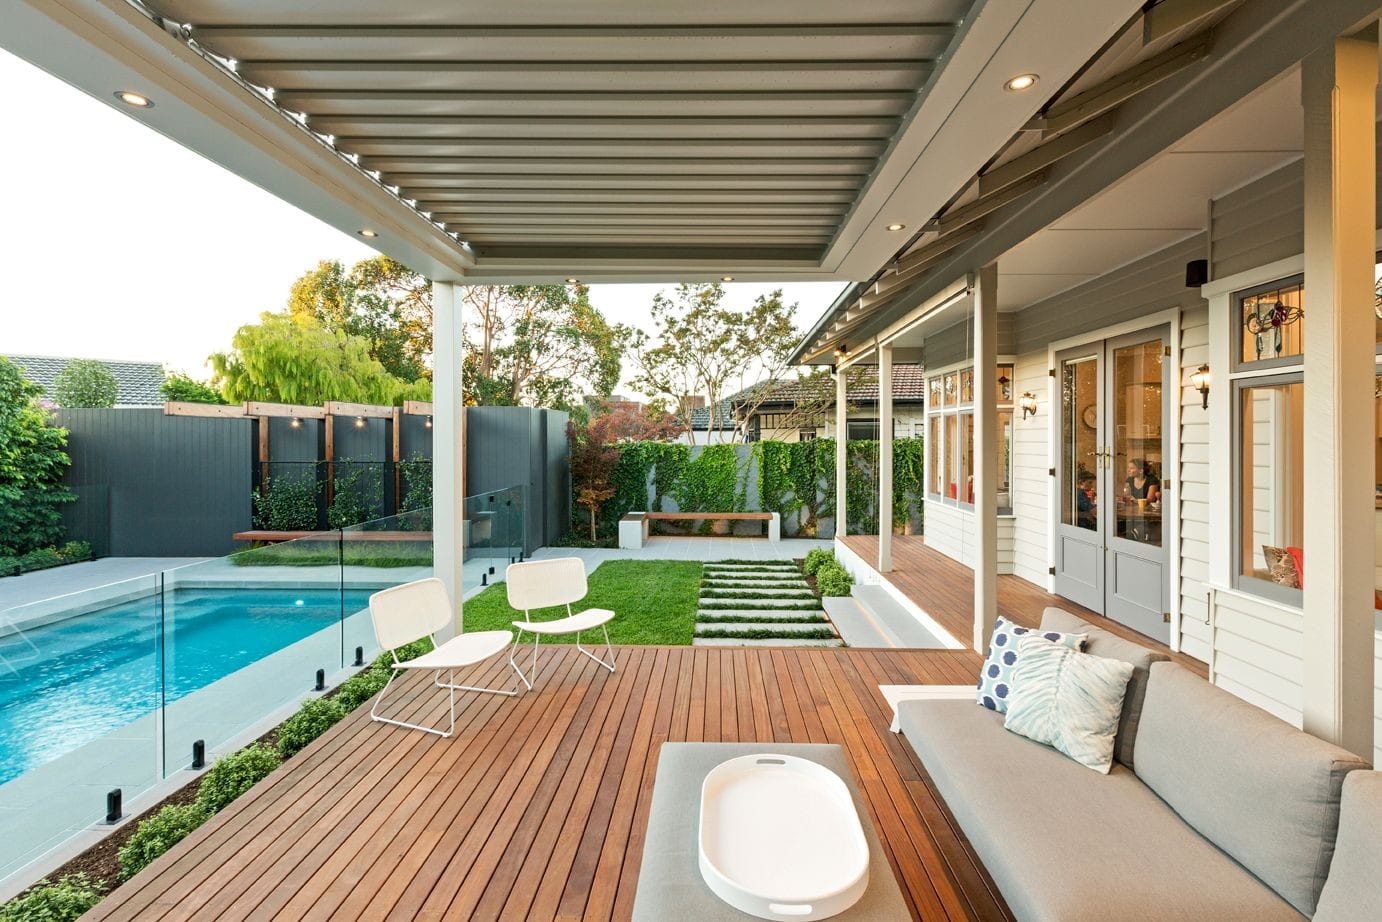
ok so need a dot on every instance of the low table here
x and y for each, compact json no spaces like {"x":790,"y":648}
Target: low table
{"x":896,"y":694}
{"x":669,"y":880}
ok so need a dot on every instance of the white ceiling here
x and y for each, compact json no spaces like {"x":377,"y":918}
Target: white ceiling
{"x":1164,"y":201}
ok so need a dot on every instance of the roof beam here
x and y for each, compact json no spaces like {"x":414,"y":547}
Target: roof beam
{"x":630,"y":31}
{"x":1121,"y":88}
{"x":349,"y":141}
{"x":1034,"y":161}
{"x":557,"y":66}
{"x":1170,"y":16}
{"x":901,"y":97}
{"x":965,"y":214}
{"x":884,"y":123}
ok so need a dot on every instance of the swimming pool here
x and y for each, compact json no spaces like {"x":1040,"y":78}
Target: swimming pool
{"x":65,"y":684}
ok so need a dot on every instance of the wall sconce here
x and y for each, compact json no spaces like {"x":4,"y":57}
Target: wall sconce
{"x":1028,"y":404}
{"x":359,"y":422}
{"x":295,"y":423}
{"x":1200,"y":381}
{"x":428,"y":423}
{"x":841,"y":353}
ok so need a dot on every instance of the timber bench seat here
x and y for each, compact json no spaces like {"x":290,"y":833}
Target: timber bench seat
{"x":633,"y":527}
{"x":269,"y":536}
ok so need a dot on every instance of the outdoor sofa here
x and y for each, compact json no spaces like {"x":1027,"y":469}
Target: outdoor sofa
{"x":1213,"y":809}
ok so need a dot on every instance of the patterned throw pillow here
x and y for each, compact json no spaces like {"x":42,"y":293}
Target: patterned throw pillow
{"x":1281,"y":566}
{"x":995,"y":678}
{"x":1068,"y":700}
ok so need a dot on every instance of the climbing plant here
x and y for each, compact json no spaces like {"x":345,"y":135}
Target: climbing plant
{"x":861,"y":487}
{"x":908,"y":480}
{"x":709,"y":481}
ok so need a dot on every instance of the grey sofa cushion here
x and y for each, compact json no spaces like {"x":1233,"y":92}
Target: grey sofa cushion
{"x":1354,"y":888}
{"x":1261,"y":790}
{"x":1110,"y":646}
{"x":1065,"y":843}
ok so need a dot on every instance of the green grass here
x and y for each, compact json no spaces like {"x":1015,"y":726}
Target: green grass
{"x":766,"y":634}
{"x":740,"y":619}
{"x":654,"y":602}
{"x":795,"y":606}
{"x":747,"y":592}
{"x":328,"y":553}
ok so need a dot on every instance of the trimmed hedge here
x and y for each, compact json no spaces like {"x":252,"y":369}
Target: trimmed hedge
{"x":314,"y":718}
{"x":159,"y":833}
{"x":235,"y":774}
{"x":815,"y":559}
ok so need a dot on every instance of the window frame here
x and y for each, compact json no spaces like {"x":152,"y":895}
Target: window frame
{"x":951,"y":456}
{"x":1237,"y":364}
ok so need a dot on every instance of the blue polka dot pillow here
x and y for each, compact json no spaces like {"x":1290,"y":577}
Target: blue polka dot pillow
{"x":995,"y":679}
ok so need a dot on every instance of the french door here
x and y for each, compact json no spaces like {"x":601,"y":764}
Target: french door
{"x":1110,"y":467}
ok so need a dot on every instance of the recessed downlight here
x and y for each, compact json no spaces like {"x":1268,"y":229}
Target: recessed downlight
{"x":573,"y":281}
{"x":137,"y":100}
{"x":1021,"y":82}
{"x":726,"y":278}
{"x":366,"y":232}
{"x":897,"y":227}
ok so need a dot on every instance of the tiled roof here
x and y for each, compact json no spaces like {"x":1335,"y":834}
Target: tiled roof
{"x":139,"y":382}
{"x":909,"y":386}
{"x":724,"y":421}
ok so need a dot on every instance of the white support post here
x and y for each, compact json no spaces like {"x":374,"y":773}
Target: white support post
{"x":985,"y":459}
{"x":1338,"y":91}
{"x":841,"y":437}
{"x":448,"y":444}
{"x":885,"y":458}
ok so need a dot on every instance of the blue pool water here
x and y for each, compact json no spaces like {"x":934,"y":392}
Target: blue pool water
{"x":65,"y":684}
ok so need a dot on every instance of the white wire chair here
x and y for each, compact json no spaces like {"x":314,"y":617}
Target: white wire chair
{"x":551,"y":583}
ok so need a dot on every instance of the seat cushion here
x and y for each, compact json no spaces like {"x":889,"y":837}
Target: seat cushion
{"x":1099,"y":642}
{"x":1263,"y":791}
{"x":1354,"y":888}
{"x":1064,"y":843}
{"x":462,"y":650}
{"x":591,"y":617}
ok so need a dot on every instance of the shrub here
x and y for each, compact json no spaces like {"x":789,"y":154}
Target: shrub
{"x":157,"y":834}
{"x":817,"y":558}
{"x":32,"y":462}
{"x":73,"y":551}
{"x":72,"y":895}
{"x":86,"y":383}
{"x":235,"y":774}
{"x":314,"y":718}
{"x":182,"y":387}
{"x":40,"y":559}
{"x":833,"y":579}
{"x":358,"y":689}
{"x":286,"y":503}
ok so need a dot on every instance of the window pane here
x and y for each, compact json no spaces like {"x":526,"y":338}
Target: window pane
{"x":937,"y":393}
{"x":1273,"y":323}
{"x":952,"y":388}
{"x":935,"y":464}
{"x":967,"y":385}
{"x":1137,"y":405}
{"x":966,"y":460}
{"x":1079,"y":438}
{"x":1271,"y":482}
{"x":1005,"y":384}
{"x":950,"y":459}
{"x":1005,"y":454}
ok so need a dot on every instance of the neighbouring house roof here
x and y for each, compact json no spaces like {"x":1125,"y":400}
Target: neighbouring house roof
{"x":909,"y":387}
{"x":724,"y":419}
{"x":139,"y":382}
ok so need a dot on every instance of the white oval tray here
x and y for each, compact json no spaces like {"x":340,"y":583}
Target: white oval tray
{"x":780,"y":838}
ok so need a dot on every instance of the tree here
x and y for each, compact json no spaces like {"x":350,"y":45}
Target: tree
{"x":182,"y":387}
{"x":295,"y":359}
{"x":703,"y":347}
{"x":32,"y":462}
{"x":593,"y":457}
{"x":380,"y":301}
{"x":86,"y":383}
{"x":538,"y":345}
{"x":626,"y":423}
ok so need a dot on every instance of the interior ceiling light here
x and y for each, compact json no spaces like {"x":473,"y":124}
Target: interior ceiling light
{"x":366,"y":232}
{"x":573,"y":281}
{"x":131,"y":98}
{"x":1021,"y":82}
{"x":897,"y":227}
{"x":726,"y":278}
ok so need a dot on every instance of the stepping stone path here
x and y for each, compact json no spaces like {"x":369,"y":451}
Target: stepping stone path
{"x":760,"y":604}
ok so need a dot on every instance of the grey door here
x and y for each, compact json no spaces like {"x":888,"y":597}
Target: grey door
{"x":1079,"y":549}
{"x":1109,"y":551}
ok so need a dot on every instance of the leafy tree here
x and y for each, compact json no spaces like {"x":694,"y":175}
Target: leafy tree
{"x":181,"y":387}
{"x":538,"y":345}
{"x":32,"y":462}
{"x":703,"y":347}
{"x":380,"y":301}
{"x":295,"y":359}
{"x":593,"y":458}
{"x":86,"y":383}
{"x":626,"y":423}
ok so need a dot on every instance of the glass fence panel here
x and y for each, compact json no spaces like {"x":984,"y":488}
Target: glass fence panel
{"x":245,"y":635}
{"x":79,"y":699}
{"x":375,"y":555}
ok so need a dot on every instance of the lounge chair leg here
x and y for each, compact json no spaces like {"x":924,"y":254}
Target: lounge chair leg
{"x":609,"y":650}
{"x":451,"y":675}
{"x":518,"y":639}
{"x":374,"y":711}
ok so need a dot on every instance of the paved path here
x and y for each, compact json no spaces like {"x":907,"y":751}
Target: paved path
{"x":768,"y":602}
{"x":76,"y":577}
{"x":707,"y":549}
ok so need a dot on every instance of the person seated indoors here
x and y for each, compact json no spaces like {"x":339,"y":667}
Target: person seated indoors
{"x":1085,"y":497}
{"x":1142,"y":482}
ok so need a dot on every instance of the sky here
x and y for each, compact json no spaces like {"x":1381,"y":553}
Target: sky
{"x":117,"y":243}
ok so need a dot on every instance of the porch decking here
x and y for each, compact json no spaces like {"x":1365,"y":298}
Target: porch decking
{"x":944,"y":589}
{"x":537,"y":807}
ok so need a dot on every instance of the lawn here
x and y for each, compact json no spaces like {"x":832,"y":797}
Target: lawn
{"x":654,"y":602}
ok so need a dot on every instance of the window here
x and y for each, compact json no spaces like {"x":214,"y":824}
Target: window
{"x":806,"y":435}
{"x":1271,"y":321}
{"x":863,"y":429}
{"x":1268,"y":438}
{"x":950,"y":437}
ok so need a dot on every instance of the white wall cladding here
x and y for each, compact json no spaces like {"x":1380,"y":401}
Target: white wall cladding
{"x":1192,"y":490}
{"x":950,"y":530}
{"x":1031,"y":460}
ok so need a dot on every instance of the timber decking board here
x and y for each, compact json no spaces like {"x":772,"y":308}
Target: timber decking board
{"x":538,"y":806}
{"x":944,"y":589}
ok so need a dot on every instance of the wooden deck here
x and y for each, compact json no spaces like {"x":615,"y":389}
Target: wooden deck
{"x":944,"y":589}
{"x":537,"y":808}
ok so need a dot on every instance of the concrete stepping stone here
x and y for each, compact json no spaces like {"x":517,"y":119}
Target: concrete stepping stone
{"x":745,"y":602}
{"x":779,"y":628}
{"x":760,"y":614}
{"x":764,"y":642}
